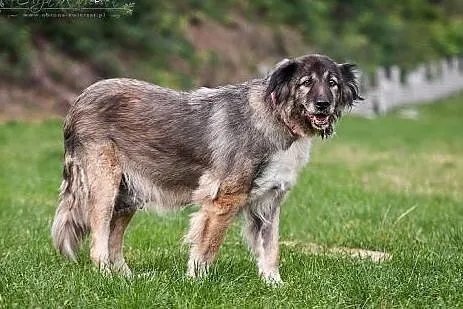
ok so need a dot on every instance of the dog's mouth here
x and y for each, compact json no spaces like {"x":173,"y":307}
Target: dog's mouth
{"x":320,"y":121}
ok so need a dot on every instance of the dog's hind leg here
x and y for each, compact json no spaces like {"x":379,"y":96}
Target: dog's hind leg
{"x":119,"y":223}
{"x":104,"y":175}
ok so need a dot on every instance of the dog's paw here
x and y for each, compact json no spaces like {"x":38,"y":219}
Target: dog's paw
{"x":121,"y":269}
{"x":104,"y":270}
{"x":272,"y":279}
{"x":197,"y":269}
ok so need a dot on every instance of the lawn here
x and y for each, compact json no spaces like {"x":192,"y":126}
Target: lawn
{"x":388,"y":184}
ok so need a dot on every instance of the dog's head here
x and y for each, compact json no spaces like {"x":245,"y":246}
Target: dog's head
{"x":309,"y":93}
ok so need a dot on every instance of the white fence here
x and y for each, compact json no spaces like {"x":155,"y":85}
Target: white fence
{"x":427,"y":83}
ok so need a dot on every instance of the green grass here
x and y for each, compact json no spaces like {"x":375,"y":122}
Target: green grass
{"x":389,"y":184}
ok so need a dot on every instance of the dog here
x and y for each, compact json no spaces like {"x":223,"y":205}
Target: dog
{"x":235,"y":149}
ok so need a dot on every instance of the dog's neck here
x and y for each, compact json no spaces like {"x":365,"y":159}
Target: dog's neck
{"x":275,"y":130}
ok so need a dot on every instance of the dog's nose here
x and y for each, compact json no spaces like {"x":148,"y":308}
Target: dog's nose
{"x":322,"y":105}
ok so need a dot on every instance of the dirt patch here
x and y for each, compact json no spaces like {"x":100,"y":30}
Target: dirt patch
{"x":25,"y":102}
{"x":240,"y":49}
{"x":53,"y":82}
{"x":316,"y":249}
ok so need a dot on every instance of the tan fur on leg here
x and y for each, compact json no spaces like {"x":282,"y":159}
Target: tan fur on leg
{"x":104,"y":177}
{"x":208,"y":229}
{"x":119,"y":223}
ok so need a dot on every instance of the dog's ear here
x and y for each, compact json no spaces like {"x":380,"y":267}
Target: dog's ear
{"x":350,"y":85}
{"x":279,"y":83}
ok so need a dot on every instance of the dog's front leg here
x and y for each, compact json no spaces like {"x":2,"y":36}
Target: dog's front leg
{"x":208,"y":227}
{"x":262,"y":219}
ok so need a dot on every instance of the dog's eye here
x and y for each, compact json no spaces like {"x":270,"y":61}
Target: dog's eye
{"x":307,"y":83}
{"x":332,"y":83}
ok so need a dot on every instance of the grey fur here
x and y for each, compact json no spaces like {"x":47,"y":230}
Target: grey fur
{"x":71,"y":223}
{"x":240,"y":144}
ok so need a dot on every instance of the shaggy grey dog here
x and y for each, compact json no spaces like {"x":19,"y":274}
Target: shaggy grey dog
{"x":233,"y":149}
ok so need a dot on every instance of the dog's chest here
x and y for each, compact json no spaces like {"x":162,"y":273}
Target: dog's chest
{"x":282,"y":170}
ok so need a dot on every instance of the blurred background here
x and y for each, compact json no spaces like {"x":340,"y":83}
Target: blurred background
{"x":49,"y":54}
{"x":389,"y":184}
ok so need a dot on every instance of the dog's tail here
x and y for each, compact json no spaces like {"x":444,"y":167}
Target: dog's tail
{"x":71,"y":220}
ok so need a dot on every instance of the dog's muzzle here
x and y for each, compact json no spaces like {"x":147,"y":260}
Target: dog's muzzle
{"x":320,"y":120}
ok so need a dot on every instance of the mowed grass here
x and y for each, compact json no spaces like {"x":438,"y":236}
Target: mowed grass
{"x":387,"y":184}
